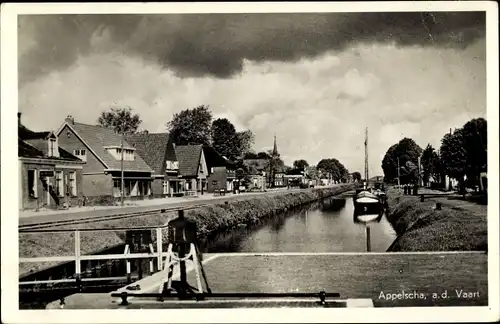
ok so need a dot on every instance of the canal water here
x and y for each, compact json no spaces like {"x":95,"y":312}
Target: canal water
{"x":325,"y":226}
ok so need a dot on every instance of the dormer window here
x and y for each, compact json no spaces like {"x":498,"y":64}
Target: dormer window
{"x":172,"y":165}
{"x":81,"y":154}
{"x":116,"y":152}
{"x":53,"y":149}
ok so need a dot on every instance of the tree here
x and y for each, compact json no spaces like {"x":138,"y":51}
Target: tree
{"x":453,"y":155}
{"x":244,"y":139}
{"x":120,"y":120}
{"x":191,"y":126}
{"x":334,"y":169}
{"x":406,"y":150}
{"x":356,"y":176}
{"x":263,"y":155}
{"x":250,"y":156}
{"x":475,"y":139}
{"x":224,"y":138}
{"x":300,"y":164}
{"x":430,"y":164}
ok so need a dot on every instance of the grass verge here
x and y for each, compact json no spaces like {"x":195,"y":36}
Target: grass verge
{"x":420,"y":227}
{"x":208,"y":218}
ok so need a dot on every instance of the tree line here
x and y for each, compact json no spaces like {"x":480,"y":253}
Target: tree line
{"x":462,"y":155}
{"x":197,"y":126}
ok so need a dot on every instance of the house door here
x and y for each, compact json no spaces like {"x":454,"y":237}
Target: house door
{"x":47,"y":193}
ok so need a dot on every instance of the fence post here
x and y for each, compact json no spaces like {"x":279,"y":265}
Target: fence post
{"x":78,"y":269}
{"x":368,"y":243}
{"x":159,"y":248}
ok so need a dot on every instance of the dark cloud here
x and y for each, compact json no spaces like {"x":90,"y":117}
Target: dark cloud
{"x":216,"y":44}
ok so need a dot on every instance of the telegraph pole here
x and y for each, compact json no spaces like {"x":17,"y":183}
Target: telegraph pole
{"x":121,"y":166}
{"x":399,"y":183}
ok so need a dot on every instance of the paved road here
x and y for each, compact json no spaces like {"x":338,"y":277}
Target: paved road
{"x":366,"y":276}
{"x":210,"y":199}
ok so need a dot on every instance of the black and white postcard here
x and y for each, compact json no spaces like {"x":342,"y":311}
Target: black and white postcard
{"x":240,"y":162}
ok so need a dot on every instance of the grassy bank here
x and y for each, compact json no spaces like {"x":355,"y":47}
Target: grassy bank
{"x":422,"y":228}
{"x":208,"y":218}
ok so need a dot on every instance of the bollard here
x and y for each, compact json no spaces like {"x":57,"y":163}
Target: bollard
{"x":368,"y":246}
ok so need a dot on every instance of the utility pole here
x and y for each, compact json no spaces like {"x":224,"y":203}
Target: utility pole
{"x":121,"y":166}
{"x":399,"y":183}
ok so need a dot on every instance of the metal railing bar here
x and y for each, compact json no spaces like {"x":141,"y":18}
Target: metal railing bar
{"x":227,"y":295}
{"x":90,"y":257}
{"x":55,"y":281}
{"x":101,"y":229}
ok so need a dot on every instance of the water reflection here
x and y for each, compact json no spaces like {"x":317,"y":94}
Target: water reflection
{"x":325,"y":226}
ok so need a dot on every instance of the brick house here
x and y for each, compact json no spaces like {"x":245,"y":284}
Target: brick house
{"x":100,"y":148}
{"x":49,"y":176}
{"x":157,"y":150}
{"x":193,"y":170}
{"x":221,"y":171}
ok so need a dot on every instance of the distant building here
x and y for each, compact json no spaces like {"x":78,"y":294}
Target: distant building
{"x":49,"y":176}
{"x":100,"y":148}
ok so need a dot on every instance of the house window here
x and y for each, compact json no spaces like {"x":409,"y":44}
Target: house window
{"x":72,"y":183}
{"x":52,"y":147}
{"x":116,"y":188}
{"x":81,"y":154}
{"x":32,"y":187}
{"x":59,"y":183}
{"x":172,"y":165}
{"x":201,"y":168}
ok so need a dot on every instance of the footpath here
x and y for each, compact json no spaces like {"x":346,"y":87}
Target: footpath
{"x":32,"y":217}
{"x":457,"y":202}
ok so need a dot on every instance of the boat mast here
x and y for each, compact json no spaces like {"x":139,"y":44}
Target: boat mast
{"x":366,"y":155}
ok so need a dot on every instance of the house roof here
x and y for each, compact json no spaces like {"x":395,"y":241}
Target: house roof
{"x":189,"y":159}
{"x":98,"y":137}
{"x":214,"y":159}
{"x":259,"y":164}
{"x":152,"y":147}
{"x":27,"y":150}
{"x":294,"y":172}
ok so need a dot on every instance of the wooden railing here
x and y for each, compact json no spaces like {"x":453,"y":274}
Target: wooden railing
{"x":77,"y":257}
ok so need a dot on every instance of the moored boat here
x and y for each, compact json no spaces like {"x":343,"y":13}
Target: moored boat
{"x":366,"y":201}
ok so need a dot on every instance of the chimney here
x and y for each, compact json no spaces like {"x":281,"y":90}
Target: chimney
{"x":70,"y":120}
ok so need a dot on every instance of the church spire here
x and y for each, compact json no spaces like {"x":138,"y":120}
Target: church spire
{"x":275,"y":147}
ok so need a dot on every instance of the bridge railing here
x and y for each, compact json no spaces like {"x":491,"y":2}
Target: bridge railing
{"x":77,"y":257}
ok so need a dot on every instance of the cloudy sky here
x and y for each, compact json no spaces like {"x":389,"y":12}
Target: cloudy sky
{"x":316,"y":80}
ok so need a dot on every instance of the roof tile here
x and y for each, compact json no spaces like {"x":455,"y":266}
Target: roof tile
{"x":97,"y":137}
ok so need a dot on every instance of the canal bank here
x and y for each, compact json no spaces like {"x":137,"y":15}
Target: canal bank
{"x":210,"y":219}
{"x":420,"y":226}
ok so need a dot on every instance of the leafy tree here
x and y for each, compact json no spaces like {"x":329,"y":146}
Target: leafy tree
{"x":263,"y":155}
{"x":224,"y":138}
{"x":191,"y":126}
{"x":454,"y":155}
{"x":407,"y":152}
{"x":334,"y":169}
{"x":475,"y":139}
{"x":120,"y":120}
{"x":300,"y":164}
{"x":430,"y":163}
{"x":244,"y":139}
{"x":356,"y":176}
{"x":250,"y":156}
